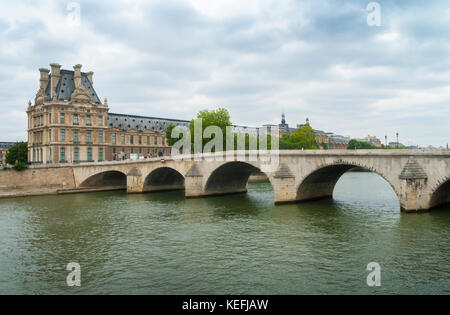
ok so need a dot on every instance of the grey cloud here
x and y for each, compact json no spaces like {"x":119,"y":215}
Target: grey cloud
{"x":287,"y":56}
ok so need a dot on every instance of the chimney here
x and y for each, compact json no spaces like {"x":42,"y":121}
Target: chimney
{"x":43,"y":81}
{"x":89,"y":76}
{"x":77,"y":76}
{"x":54,"y":79}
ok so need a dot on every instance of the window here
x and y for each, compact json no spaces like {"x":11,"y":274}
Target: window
{"x":63,"y":155}
{"x":131,"y":139}
{"x":88,"y":136}
{"x":89,"y":154}
{"x":50,"y":118}
{"x":100,"y":120}
{"x":156,"y":139}
{"x":123,"y":138}
{"x":62,"y":118}
{"x":100,"y":154}
{"x":162,"y":140}
{"x":113,"y":138}
{"x":88,"y":120}
{"x":63,"y":135}
{"x":100,"y":136}
{"x":140,"y":139}
{"x":75,"y":136}
{"x":50,"y":135}
{"x":75,"y":119}
{"x":76,"y":154}
{"x":148,"y":139}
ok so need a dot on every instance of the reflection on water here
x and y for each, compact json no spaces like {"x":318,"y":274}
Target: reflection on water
{"x":162,"y":243}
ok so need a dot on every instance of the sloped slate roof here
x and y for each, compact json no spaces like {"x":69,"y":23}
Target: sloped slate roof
{"x":66,"y":86}
{"x":412,"y":170}
{"x":156,"y":124}
{"x":6,"y":144}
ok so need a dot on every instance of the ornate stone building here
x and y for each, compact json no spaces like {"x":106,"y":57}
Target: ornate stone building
{"x":4,"y":147}
{"x":69,"y":123}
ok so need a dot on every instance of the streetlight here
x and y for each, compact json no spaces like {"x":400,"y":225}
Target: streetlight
{"x":397,"y":139}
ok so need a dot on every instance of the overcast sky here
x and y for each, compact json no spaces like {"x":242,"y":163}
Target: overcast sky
{"x":257,"y":58}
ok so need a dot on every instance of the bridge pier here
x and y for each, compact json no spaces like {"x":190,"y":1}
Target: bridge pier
{"x":284,"y":186}
{"x":194,"y":183}
{"x":134,"y":181}
{"x":413,"y":196}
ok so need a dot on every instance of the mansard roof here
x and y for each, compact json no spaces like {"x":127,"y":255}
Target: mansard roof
{"x":141,"y":123}
{"x":6,"y":144}
{"x":66,"y":86}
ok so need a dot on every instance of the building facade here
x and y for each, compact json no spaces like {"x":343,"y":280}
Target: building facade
{"x":69,"y":123}
{"x":4,"y":147}
{"x":373,"y":140}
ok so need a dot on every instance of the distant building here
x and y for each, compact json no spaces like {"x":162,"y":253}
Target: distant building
{"x":326,"y":140}
{"x":284,"y":127}
{"x":373,"y":140}
{"x":338,"y":142}
{"x":395,"y":144}
{"x":4,"y":147}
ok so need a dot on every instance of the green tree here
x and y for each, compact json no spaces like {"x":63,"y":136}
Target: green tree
{"x":219,"y":117}
{"x":358,"y":145}
{"x":20,"y":166}
{"x":18,"y":152}
{"x":169,"y":138}
{"x":302,"y":138}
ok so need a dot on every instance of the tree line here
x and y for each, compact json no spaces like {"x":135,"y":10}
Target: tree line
{"x":303,"y":138}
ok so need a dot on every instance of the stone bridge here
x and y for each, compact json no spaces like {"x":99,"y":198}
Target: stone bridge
{"x":420,"y":178}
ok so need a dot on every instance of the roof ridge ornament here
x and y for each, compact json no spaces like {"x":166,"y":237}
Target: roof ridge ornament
{"x":79,"y":94}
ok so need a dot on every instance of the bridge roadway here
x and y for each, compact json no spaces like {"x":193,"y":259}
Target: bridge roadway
{"x":419,"y":178}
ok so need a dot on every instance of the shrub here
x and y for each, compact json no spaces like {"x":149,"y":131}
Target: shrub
{"x":20,"y":166}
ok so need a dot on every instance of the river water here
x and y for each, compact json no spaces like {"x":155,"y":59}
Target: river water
{"x":162,"y":243}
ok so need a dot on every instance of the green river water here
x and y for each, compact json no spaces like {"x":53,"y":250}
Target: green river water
{"x":162,"y":243}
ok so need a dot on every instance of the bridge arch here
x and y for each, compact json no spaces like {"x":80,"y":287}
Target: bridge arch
{"x":320,"y":183}
{"x":163,"y":179}
{"x":441,"y":194}
{"x":106,"y":180}
{"x":230,"y":177}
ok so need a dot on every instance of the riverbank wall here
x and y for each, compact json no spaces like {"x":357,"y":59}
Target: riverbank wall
{"x":35,"y":181}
